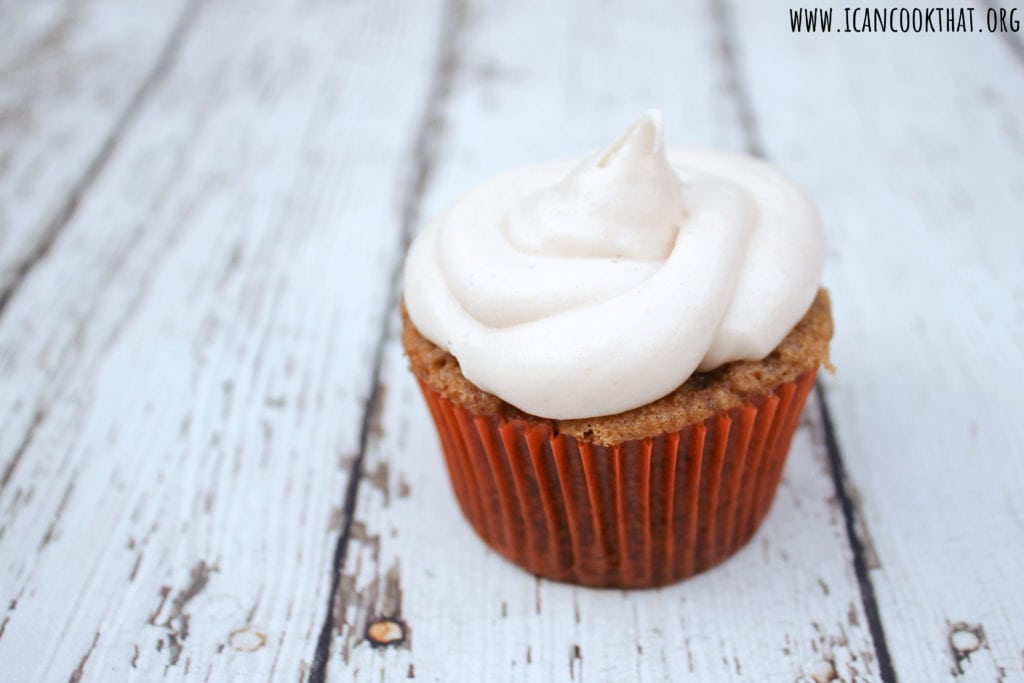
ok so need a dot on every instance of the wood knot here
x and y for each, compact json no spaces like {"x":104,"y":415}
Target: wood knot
{"x":385,"y":632}
{"x":244,"y":640}
{"x":964,"y":638}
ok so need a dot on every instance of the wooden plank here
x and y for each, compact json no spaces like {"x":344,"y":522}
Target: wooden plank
{"x":71,"y":78}
{"x":534,"y":82}
{"x":912,"y":145}
{"x":195,"y":353}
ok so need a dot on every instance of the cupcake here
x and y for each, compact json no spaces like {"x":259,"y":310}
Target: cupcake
{"x":616,"y":351}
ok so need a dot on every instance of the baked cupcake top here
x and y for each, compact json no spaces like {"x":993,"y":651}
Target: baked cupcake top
{"x":588,"y":288}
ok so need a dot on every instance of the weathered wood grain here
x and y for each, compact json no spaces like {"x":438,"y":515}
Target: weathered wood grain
{"x":534,"y":82}
{"x":191,"y":358}
{"x":71,"y":78}
{"x":913,"y":146}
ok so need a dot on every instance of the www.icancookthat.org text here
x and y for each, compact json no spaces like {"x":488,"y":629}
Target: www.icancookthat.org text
{"x":904,"y":20}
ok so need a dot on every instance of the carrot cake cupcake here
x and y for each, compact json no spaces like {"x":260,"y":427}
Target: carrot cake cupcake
{"x":616,"y":351}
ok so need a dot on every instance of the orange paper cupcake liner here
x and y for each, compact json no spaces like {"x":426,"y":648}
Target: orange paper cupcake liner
{"x":642,"y":513}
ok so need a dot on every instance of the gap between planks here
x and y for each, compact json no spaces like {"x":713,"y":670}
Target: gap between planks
{"x":424,"y":158}
{"x":856,"y":536}
{"x":853,"y":520}
{"x":52,"y":232}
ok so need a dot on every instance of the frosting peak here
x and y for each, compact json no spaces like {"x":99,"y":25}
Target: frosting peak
{"x":623,"y":202}
{"x":581,"y":289}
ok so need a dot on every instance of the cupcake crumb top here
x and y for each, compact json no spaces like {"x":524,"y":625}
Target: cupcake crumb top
{"x":702,"y":395}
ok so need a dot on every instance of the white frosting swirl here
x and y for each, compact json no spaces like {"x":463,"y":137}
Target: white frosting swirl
{"x":588,"y":288}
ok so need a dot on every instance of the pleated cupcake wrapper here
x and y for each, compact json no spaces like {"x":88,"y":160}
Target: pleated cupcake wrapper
{"x":642,"y":513}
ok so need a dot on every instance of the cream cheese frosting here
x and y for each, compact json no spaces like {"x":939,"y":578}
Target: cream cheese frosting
{"x":587,"y":288}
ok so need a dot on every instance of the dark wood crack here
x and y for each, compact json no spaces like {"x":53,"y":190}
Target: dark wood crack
{"x":67,"y":211}
{"x":424,"y":157}
{"x":79,"y":671}
{"x":721,"y":18}
{"x":26,"y":441}
{"x":851,"y":515}
{"x":721,"y":14}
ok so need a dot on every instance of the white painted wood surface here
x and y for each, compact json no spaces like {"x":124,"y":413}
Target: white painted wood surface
{"x":196,"y":348}
{"x":216,"y":466}
{"x":71,"y":79}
